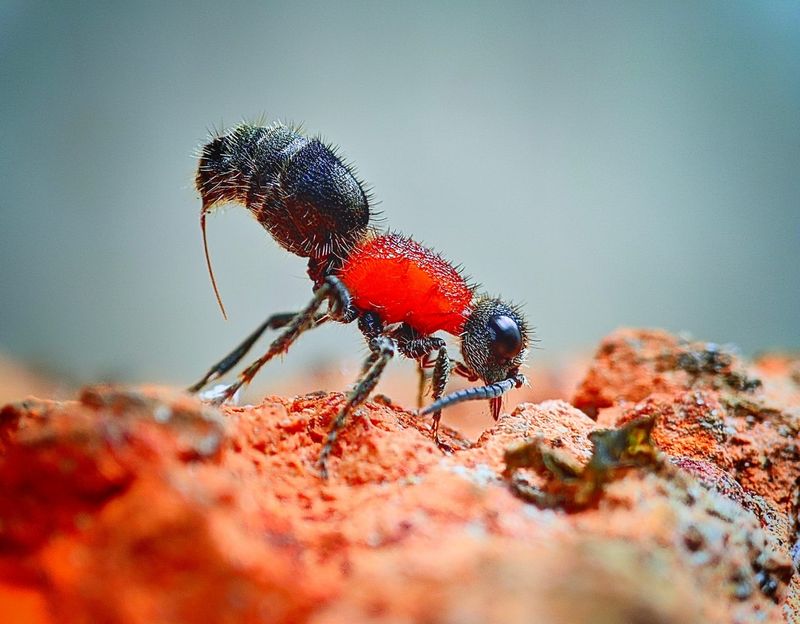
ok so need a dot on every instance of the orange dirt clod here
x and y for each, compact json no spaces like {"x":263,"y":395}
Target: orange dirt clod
{"x":144,"y":505}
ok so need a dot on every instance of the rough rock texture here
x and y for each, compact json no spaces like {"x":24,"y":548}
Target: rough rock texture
{"x":736,"y":428}
{"x":143,"y":505}
{"x":555,"y":378}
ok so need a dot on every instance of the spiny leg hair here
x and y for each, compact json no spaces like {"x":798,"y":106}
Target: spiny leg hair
{"x":422,"y":366}
{"x":420,"y":349}
{"x":382,"y":349}
{"x":339,"y":300}
{"x":426,"y":362}
{"x":341,"y":303}
{"x":441,"y":375}
{"x":276,"y":321}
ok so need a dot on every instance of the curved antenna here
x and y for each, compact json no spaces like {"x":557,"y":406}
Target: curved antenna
{"x":491,"y":391}
{"x":208,"y":263}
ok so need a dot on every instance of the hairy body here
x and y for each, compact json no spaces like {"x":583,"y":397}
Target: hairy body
{"x":400,"y":292}
{"x":404,"y":282}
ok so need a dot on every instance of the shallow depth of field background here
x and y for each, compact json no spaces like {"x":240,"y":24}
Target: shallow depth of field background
{"x":608,"y":164}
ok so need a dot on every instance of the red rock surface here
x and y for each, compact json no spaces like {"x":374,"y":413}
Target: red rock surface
{"x":143,"y":505}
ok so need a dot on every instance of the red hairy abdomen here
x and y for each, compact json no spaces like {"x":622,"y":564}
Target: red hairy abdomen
{"x":402,"y":281}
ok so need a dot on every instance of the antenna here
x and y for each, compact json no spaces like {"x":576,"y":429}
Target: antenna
{"x":208,"y":263}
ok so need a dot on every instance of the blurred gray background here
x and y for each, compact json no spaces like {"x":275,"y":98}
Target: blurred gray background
{"x":615,"y":163}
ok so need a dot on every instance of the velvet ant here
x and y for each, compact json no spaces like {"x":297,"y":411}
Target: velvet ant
{"x":398,"y":291}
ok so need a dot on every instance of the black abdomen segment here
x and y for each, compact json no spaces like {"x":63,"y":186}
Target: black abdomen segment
{"x":296,"y":187}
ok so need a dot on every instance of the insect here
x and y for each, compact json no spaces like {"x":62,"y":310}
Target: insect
{"x":398,"y":291}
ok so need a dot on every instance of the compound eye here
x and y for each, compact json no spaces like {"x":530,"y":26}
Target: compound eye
{"x":505,"y":336}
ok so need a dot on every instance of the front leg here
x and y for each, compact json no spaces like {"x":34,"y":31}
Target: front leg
{"x":427,"y":362}
{"x":422,"y":349}
{"x":424,"y":363}
{"x":462,"y":370}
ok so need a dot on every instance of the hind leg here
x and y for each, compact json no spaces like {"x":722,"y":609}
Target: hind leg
{"x":276,"y":321}
{"x":382,"y":349}
{"x":334,"y":292}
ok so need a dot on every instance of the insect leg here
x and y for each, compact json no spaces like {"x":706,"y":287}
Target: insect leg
{"x":424,"y":363}
{"x":420,"y":348}
{"x":441,"y":374}
{"x":340,"y":306}
{"x":276,"y":321}
{"x":333,"y":291}
{"x":422,"y":384}
{"x":382,"y":349}
{"x":462,"y":370}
